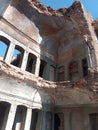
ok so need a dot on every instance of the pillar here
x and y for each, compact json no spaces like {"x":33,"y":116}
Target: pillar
{"x":25,"y":59}
{"x":9,"y":54}
{"x":37,"y":67}
{"x":28,"y":119}
{"x":43,"y":121}
{"x":11,"y":117}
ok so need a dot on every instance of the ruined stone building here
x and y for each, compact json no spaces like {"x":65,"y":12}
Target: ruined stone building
{"x":49,"y":67}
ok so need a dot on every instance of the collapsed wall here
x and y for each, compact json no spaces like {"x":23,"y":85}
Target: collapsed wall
{"x":54,"y":76}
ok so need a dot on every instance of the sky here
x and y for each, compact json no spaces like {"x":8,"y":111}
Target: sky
{"x":90,"y":5}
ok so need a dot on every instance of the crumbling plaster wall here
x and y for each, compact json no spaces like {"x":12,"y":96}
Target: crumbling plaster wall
{"x":57,"y":32}
{"x":77,"y":118}
{"x":24,"y":88}
{"x":30,"y":21}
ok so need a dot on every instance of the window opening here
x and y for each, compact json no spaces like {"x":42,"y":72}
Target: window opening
{"x":34,"y":119}
{"x":42,"y":71}
{"x":31,"y":63}
{"x":96,"y":32}
{"x":4,"y":45}
{"x":56,"y":122}
{"x":20,"y":118}
{"x":85,"y":67}
{"x":4,"y":110}
{"x":61,"y":73}
{"x":17,"y":56}
{"x":73,"y":71}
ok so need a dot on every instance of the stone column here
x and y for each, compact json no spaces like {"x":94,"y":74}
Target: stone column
{"x":28,"y":119}
{"x":25,"y":59}
{"x":11,"y":117}
{"x":43,"y":121}
{"x":10,"y":52}
{"x":37,"y":67}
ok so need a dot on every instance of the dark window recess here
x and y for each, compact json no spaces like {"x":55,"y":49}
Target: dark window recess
{"x":73,"y":70}
{"x":96,"y":32}
{"x":4,"y":110}
{"x":56,"y":122}
{"x":85,"y":67}
{"x":17,"y":56}
{"x":31,"y":63}
{"x":42,"y":71}
{"x":61,"y":73}
{"x":34,"y":119}
{"x":94,"y":121}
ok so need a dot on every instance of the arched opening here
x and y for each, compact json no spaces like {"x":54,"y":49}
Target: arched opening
{"x":42,"y":70}
{"x":31,"y":63}
{"x":4,"y":45}
{"x":34,"y":120}
{"x":20,"y":118}
{"x":61,"y":73}
{"x":56,"y":122}
{"x":4,"y":111}
{"x":17,"y":56}
{"x":73,"y":71}
{"x":85,"y":67}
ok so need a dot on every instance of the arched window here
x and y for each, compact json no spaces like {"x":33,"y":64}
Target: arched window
{"x":31,"y":63}
{"x":4,"y":45}
{"x":17,"y":56}
{"x":73,"y":71}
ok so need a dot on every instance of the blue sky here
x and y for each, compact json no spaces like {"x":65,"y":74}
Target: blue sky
{"x":90,"y":5}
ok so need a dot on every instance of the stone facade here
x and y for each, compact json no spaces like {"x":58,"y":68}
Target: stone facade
{"x":49,"y":67}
